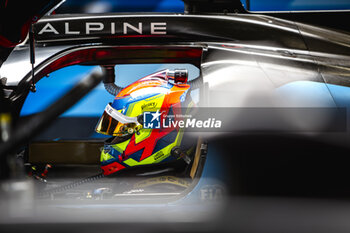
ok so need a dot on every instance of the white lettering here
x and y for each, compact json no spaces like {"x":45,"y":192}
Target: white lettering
{"x":90,"y":27}
{"x":94,"y":27}
{"x":165,"y":125}
{"x":149,"y":125}
{"x":218,"y":124}
{"x":204,"y":194}
{"x":155,"y":28}
{"x":48,"y":28}
{"x":199,"y":124}
{"x":206,"y":124}
{"x":181,"y":124}
{"x":66,"y":30}
{"x":190,"y":123}
{"x":127,"y":25}
{"x":112,"y":28}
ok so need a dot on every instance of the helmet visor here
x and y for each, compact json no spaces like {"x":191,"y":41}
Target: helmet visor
{"x":115,"y":123}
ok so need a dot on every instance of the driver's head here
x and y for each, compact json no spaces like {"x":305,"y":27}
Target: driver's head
{"x":152,"y":97}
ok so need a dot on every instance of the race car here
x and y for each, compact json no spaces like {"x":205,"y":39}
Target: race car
{"x":181,"y":113}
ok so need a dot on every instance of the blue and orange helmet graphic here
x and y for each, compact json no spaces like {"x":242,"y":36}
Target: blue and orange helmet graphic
{"x":134,"y":120}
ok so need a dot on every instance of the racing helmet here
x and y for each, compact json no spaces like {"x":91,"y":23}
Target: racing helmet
{"x":134,"y":120}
